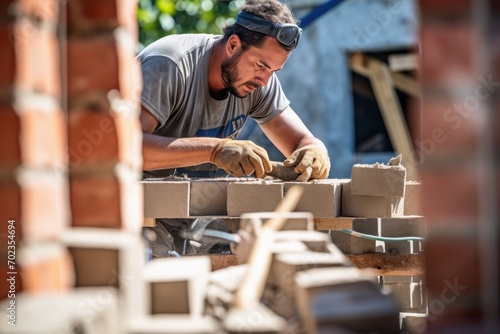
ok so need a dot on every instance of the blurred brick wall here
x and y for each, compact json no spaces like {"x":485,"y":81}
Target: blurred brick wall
{"x":70,"y":139}
{"x":458,"y":123}
{"x":104,"y":136}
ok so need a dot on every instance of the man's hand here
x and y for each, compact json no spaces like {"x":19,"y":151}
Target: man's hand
{"x":310,"y":161}
{"x":241,"y":157}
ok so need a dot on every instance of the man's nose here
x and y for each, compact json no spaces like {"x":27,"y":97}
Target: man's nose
{"x":263,"y":78}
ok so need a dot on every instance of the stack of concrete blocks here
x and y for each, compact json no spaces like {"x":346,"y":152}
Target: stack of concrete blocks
{"x":299,"y":250}
{"x":410,"y":294}
{"x":382,"y":203}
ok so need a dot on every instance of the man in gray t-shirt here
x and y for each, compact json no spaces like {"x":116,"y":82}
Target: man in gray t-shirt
{"x":200,"y":89}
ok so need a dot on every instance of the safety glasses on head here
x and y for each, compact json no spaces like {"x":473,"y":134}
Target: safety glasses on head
{"x":286,"y":33}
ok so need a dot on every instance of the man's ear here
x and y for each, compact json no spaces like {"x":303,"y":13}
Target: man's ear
{"x":233,"y":45}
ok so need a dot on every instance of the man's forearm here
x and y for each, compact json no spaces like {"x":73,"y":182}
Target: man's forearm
{"x":165,"y":152}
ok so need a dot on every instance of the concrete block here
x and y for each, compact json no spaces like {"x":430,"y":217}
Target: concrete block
{"x":354,"y":310}
{"x":403,"y":247}
{"x":393,"y":279}
{"x":255,"y":319}
{"x":340,"y":295}
{"x":315,"y":241}
{"x":166,"y":199}
{"x":410,"y":297}
{"x":175,"y":286}
{"x":110,"y":258}
{"x":175,"y":324}
{"x":208,"y":197}
{"x":289,"y":247}
{"x":370,"y":206}
{"x":82,"y":310}
{"x":320,"y":197}
{"x":407,"y":291}
{"x":285,"y":266}
{"x":253,"y":196}
{"x":378,"y":180}
{"x":350,"y":244}
{"x":413,"y":323}
{"x":294,"y":220}
{"x":413,"y":200}
{"x":413,"y":226}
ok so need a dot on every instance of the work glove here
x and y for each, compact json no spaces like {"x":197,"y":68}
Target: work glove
{"x":310,"y":161}
{"x":241,"y":157}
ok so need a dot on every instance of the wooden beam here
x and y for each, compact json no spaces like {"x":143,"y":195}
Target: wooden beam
{"x":358,"y":62}
{"x":334,"y":223}
{"x":221,"y":261}
{"x":392,"y":114}
{"x":149,"y":222}
{"x":403,"y":62}
{"x":383,"y":264}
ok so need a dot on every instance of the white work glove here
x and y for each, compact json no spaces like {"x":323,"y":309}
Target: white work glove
{"x":241,"y":157}
{"x":310,"y":161}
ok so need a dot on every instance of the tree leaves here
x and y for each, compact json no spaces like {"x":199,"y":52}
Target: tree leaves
{"x":158,"y":18}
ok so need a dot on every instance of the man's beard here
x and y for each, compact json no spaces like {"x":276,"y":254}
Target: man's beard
{"x":229,"y":73}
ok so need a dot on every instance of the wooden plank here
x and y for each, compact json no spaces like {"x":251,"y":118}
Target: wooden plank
{"x":358,"y":62}
{"x":406,"y":84}
{"x":392,"y":114}
{"x":383,"y":264}
{"x":149,"y":222}
{"x":403,"y":62}
{"x":337,"y":223}
{"x":221,"y":261}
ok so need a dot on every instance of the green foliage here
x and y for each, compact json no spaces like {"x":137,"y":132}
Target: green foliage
{"x":158,"y":18}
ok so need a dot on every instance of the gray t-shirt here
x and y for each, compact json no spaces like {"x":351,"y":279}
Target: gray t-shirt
{"x":175,"y":91}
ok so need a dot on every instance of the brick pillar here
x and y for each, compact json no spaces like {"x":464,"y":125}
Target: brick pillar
{"x":104,"y":135}
{"x":33,"y":155}
{"x":459,"y":162}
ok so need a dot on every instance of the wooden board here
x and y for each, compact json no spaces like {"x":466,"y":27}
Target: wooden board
{"x":334,"y":223}
{"x":390,"y":264}
{"x":221,"y":261}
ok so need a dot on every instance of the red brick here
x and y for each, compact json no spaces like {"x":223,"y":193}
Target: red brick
{"x":130,"y":73}
{"x":453,"y":278}
{"x":38,"y":203}
{"x":7,"y":56}
{"x":106,"y":201}
{"x":5,"y":288}
{"x":45,"y":268}
{"x":450,"y":195}
{"x":104,"y":137}
{"x":100,"y":63}
{"x":85,"y":15}
{"x":448,"y":53}
{"x":129,"y":133}
{"x":449,"y":127}
{"x":33,"y":137}
{"x":10,"y":197}
{"x":37,"y":58}
{"x":494,"y":45}
{"x":92,"y":138}
{"x":10,"y":144}
{"x":40,"y":10}
{"x":95,"y":201}
{"x":445,"y":7}
{"x":88,"y":72}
